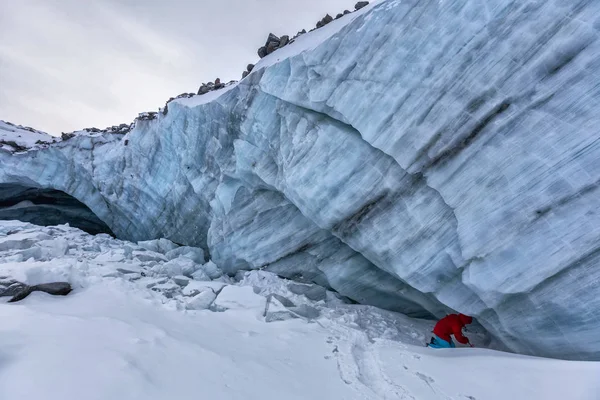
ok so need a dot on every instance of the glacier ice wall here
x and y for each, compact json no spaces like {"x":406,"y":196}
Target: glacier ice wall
{"x":430,"y":156}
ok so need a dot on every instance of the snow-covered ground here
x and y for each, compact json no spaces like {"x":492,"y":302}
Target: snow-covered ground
{"x":136,"y":327}
{"x":16,"y":137}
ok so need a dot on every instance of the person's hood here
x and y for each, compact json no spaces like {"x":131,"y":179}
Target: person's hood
{"x":465,"y":319}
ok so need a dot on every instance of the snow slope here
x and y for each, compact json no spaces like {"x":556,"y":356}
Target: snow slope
{"x":113,"y":338}
{"x":427,"y":156}
{"x":22,"y":137}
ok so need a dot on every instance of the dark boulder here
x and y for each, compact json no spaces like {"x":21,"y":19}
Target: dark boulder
{"x":147,"y":116}
{"x":272,"y":47}
{"x":250,"y":67}
{"x":361,"y":4}
{"x":326,"y":19}
{"x":54,"y":288}
{"x":244,"y":74}
{"x":272,"y":38}
{"x":203,"y":89}
{"x":285,"y":39}
{"x":340,"y":15}
{"x":262,"y":52}
{"x":346,"y":12}
{"x":11,"y":288}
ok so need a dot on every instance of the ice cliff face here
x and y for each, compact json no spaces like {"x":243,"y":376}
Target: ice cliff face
{"x":426,"y":156}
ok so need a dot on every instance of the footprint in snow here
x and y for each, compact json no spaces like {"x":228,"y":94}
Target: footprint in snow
{"x":427,"y":379}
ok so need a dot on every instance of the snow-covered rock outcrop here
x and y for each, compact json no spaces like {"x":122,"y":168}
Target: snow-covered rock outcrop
{"x":15,"y":138}
{"x":417,"y":156}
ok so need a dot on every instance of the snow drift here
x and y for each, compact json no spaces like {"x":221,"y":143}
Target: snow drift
{"x":417,"y":156}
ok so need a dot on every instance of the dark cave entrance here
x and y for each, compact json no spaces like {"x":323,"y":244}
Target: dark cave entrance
{"x":47,"y":207}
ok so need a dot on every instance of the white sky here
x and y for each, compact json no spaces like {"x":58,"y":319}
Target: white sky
{"x":72,"y":64}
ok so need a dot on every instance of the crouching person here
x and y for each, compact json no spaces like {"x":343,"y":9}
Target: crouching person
{"x":446,"y":327}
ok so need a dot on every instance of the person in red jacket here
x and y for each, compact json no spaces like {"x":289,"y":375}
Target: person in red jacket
{"x":450,"y":325}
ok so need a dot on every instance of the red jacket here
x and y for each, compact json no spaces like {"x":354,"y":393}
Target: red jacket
{"x":452,"y":325}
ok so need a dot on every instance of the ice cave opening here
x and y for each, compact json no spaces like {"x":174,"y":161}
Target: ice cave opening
{"x":47,"y":207}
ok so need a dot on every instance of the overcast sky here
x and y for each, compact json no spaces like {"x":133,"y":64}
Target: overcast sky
{"x":72,"y":64}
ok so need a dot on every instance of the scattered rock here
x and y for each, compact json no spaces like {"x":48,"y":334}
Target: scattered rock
{"x":54,"y":288}
{"x":346,"y":12}
{"x":272,"y":38}
{"x":249,"y":67}
{"x":244,"y":74}
{"x":340,"y":15}
{"x":11,"y":288}
{"x":67,"y":136}
{"x":262,"y":52}
{"x":326,"y":19}
{"x":147,"y":116}
{"x":361,"y":4}
{"x":272,"y":46}
{"x":285,"y":39}
{"x":203,"y":89}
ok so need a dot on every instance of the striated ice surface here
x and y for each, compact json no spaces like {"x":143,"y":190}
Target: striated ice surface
{"x":426,"y":157}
